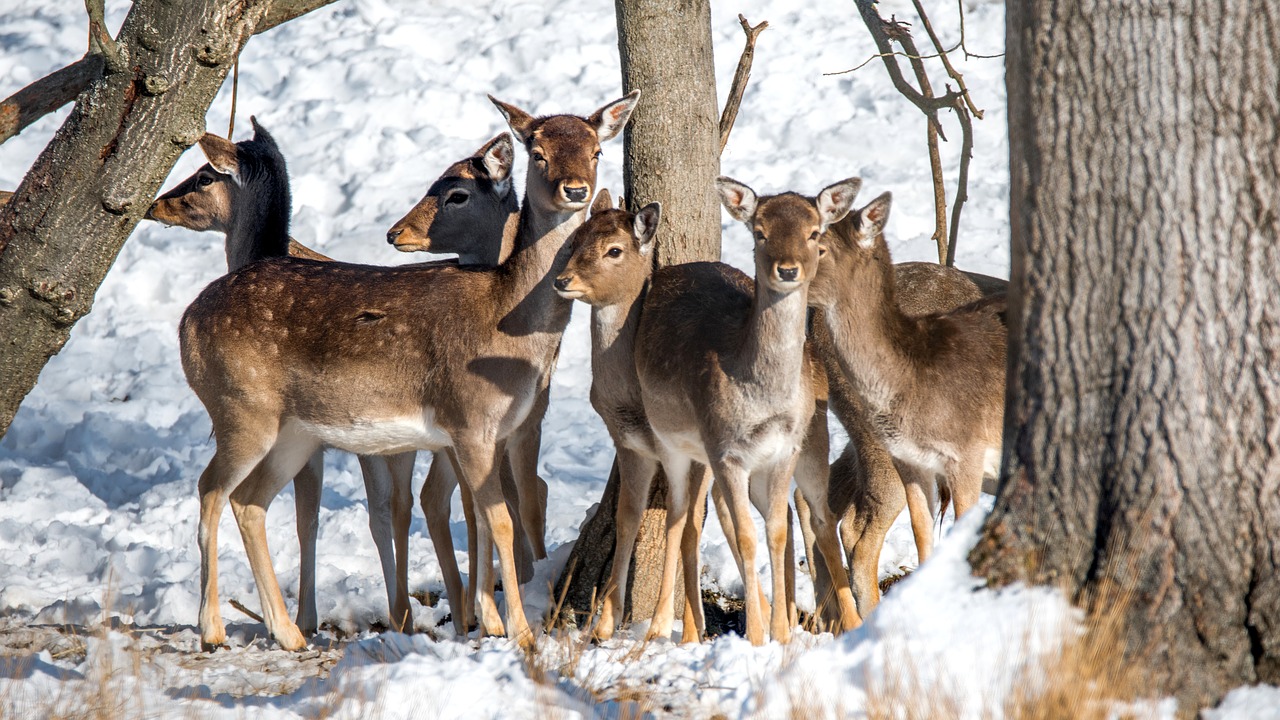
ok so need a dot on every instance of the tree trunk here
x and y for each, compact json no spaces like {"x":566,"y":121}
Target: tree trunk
{"x":67,"y":221}
{"x":672,"y":149}
{"x":1142,"y":437}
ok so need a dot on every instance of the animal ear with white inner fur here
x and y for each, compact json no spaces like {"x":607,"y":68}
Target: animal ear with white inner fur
{"x":871,"y":219}
{"x":646,"y":226}
{"x":737,"y":198}
{"x":602,"y":202}
{"x":221,"y":154}
{"x":517,"y":119}
{"x":496,"y":158}
{"x":610,"y":119}
{"x":835,"y":200}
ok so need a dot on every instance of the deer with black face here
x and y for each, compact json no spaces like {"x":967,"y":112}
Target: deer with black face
{"x":289,"y":354}
{"x":933,"y":384}
{"x":726,"y":381}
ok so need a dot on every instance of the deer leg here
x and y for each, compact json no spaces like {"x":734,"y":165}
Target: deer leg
{"x":307,"y":487}
{"x":695,"y":622}
{"x":238,"y":454}
{"x":919,"y":486}
{"x":734,"y":483}
{"x":789,"y":554}
{"x":730,"y":533}
{"x":966,"y":481}
{"x":522,"y":455}
{"x":436,"y":498}
{"x":777,"y":484}
{"x":478,"y":465}
{"x":377,"y":488}
{"x":676,"y":466}
{"x":249,"y":503}
{"x":401,"y":467}
{"x":523,"y":547}
{"x":635,"y":477}
{"x":864,"y":564}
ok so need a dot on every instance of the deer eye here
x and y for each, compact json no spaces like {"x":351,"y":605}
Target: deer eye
{"x":814,"y":237}
{"x":539,"y":158}
{"x":457,"y":198}
{"x":614,"y":252}
{"x":759,"y":236}
{"x":598,"y":155}
{"x":204,"y":180}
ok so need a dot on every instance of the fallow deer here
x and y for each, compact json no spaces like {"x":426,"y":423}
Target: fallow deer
{"x":932,"y":385}
{"x":243,"y":192}
{"x":725,"y":379}
{"x":289,"y":354}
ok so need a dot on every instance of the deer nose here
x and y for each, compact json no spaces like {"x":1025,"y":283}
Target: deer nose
{"x":392,"y":234}
{"x":562,"y":282}
{"x":576,"y":194}
{"x":788,"y":274}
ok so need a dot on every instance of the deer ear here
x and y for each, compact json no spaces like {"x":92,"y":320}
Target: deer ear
{"x":602,"y":202}
{"x":871,"y":219}
{"x":496,"y":158}
{"x":260,"y":133}
{"x":517,"y":119}
{"x":646,"y":226}
{"x":221,"y":153}
{"x":737,"y":198}
{"x":610,"y":119}
{"x":835,"y":200}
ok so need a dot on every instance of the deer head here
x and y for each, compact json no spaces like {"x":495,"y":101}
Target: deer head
{"x":612,"y":254}
{"x":853,"y":241}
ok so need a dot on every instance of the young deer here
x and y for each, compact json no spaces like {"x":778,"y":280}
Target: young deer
{"x":725,"y":379}
{"x":290,"y":354}
{"x":243,"y":192}
{"x":933,"y":385}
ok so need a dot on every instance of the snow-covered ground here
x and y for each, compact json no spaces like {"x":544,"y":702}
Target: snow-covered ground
{"x":370,"y":100}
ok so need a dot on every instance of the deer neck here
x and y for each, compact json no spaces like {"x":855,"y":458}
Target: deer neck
{"x":869,"y":330}
{"x":260,"y":229}
{"x":540,"y":247}
{"x":495,"y":255}
{"x":613,"y":336}
{"x":774,"y":348}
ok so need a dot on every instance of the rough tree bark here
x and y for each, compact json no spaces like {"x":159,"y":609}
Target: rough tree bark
{"x":1142,"y":438}
{"x":65,"y":224}
{"x":672,"y":149}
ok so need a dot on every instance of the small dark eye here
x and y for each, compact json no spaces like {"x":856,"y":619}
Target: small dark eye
{"x":457,"y":198}
{"x":204,"y":180}
{"x":759,"y":236}
{"x":814,"y":237}
{"x":598,"y":154}
{"x":538,"y":158}
{"x":614,"y":252}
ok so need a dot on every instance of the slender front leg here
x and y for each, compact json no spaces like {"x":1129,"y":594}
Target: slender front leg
{"x":919,"y":485}
{"x":377,"y":488}
{"x":778,"y":482}
{"x":308,"y":487}
{"x":436,"y":498}
{"x":734,"y":484}
{"x":635,"y":478}
{"x":676,"y":467}
{"x":522,"y":456}
{"x":695,"y":622}
{"x":731,"y":536}
{"x":478,"y":466}
{"x":401,"y":467}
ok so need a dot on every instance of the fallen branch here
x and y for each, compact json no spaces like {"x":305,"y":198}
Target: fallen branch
{"x":240,"y":606}
{"x":740,"y":78}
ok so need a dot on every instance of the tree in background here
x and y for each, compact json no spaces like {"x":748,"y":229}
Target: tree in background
{"x":141,"y":99}
{"x":1142,"y":437}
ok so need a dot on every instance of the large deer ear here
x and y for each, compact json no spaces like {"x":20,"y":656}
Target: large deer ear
{"x":260,"y":133}
{"x":835,"y":200}
{"x":495,"y":159}
{"x":869,"y":221}
{"x":610,"y":119}
{"x":221,"y":153}
{"x":646,"y":226}
{"x":737,"y":198}
{"x":602,"y":202}
{"x":517,"y":119}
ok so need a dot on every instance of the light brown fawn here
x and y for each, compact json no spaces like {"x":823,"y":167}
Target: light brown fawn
{"x":243,"y":192}
{"x":289,"y":354}
{"x":725,"y":379}
{"x":932,"y":385}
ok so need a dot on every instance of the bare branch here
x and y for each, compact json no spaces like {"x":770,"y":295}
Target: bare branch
{"x":740,"y":78}
{"x":282,"y":11}
{"x":100,"y":41}
{"x":946,"y":61}
{"x":962,"y":182}
{"x":895,"y":53}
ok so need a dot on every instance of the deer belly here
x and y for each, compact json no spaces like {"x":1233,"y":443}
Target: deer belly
{"x":380,"y":436}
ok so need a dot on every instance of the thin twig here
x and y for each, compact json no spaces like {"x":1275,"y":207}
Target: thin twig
{"x":962,"y":182}
{"x":240,"y":606}
{"x":946,"y":61}
{"x":965,"y":48}
{"x":895,"y":53}
{"x":740,"y":78}
{"x":235,"y":88}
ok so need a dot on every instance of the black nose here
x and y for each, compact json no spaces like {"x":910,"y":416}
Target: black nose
{"x":788,"y":274}
{"x":575,"y":194}
{"x":392,"y":235}
{"x":562,"y":283}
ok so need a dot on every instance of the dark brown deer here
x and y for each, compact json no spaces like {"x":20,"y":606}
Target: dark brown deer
{"x":289,"y":354}
{"x":725,"y":379}
{"x":244,"y":193}
{"x":932,"y":385}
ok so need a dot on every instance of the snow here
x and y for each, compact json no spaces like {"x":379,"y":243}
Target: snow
{"x":370,"y":100}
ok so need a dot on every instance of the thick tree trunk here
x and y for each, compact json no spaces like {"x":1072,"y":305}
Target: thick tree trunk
{"x":672,"y":147}
{"x":67,"y":221}
{"x":1142,"y":438}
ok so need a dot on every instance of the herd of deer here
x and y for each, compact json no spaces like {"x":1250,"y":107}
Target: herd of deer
{"x":722,"y":380}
